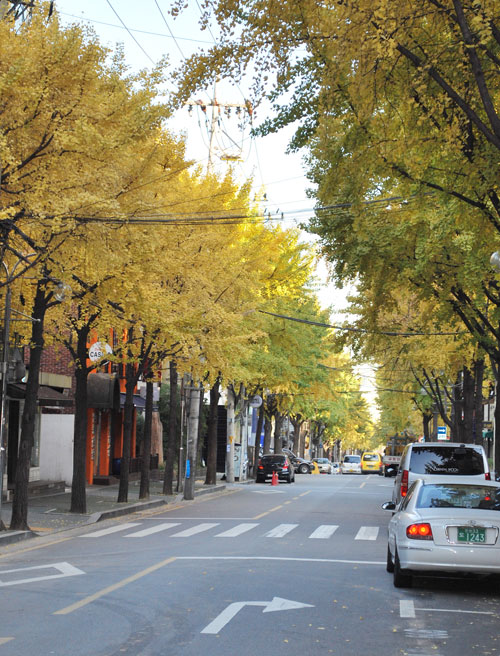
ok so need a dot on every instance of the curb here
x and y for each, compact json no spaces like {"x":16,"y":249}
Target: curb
{"x":11,"y":537}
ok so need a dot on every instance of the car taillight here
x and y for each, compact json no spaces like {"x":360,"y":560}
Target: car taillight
{"x":284,"y":468}
{"x":419,"y":532}
{"x":487,"y":476}
{"x":261,"y":467}
{"x":404,"y":483}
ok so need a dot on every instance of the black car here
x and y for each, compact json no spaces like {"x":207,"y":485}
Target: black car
{"x":279,"y":463}
{"x":300,"y":465}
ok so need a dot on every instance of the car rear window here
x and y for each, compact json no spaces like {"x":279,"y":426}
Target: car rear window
{"x":274,"y":459}
{"x":452,"y":461}
{"x":482,"y":497}
{"x":370,"y":456}
{"x":352,"y":458}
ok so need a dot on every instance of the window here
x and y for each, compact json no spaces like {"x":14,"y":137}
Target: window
{"x":482,"y":497}
{"x":447,"y":460}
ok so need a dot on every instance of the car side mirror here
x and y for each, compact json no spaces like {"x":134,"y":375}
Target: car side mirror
{"x":389,"y":505}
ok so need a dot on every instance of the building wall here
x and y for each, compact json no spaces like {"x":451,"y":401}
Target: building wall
{"x":56,"y":447}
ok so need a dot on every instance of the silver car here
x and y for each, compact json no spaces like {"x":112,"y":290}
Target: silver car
{"x":444,"y":527}
{"x":324,"y":465}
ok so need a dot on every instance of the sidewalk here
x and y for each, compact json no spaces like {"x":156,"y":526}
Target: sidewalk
{"x":49,"y":513}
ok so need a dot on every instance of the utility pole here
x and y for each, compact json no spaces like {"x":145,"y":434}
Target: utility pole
{"x":218,"y":110}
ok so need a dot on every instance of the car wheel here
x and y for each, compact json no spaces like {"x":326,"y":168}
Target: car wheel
{"x":289,"y":479}
{"x":390,"y":565}
{"x":401,"y":578}
{"x":304,"y":469}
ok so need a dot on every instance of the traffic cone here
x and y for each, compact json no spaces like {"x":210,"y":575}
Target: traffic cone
{"x":274,"y":479}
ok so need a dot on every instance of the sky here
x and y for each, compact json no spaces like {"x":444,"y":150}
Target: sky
{"x":147,"y":32}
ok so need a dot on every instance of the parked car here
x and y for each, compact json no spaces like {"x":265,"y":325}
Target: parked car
{"x":275,"y":462}
{"x":351,"y":464}
{"x":324,"y":465}
{"x":300,"y":465}
{"x":444,"y":527}
{"x":440,"y":462}
{"x":371,"y":463}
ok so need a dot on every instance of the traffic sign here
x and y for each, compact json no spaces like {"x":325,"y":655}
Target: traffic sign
{"x":441,"y":433}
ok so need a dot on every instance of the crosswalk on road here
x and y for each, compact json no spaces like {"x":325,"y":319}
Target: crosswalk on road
{"x":322,"y":532}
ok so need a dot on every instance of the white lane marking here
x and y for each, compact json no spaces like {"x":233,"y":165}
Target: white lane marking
{"x":237,"y":530}
{"x":280,"y":531}
{"x":269,"y":491}
{"x":406,"y":608}
{"x":64,"y":569}
{"x":4,"y":640}
{"x":324,"y":531}
{"x":194,"y":530}
{"x":151,"y":530}
{"x":378,"y":563}
{"x":112,"y":529}
{"x":367,"y":533}
{"x":449,"y":610}
{"x":277,"y":604}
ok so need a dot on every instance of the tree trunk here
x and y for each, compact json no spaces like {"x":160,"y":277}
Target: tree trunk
{"x":496,"y":443}
{"x":426,"y":420}
{"x":268,"y":428}
{"x":478,"y":420}
{"x":278,"y":424}
{"x":146,"y":442}
{"x":468,"y":394}
{"x":192,"y":442}
{"x":78,"y":483}
{"x":157,"y":437}
{"x":200,"y":429}
{"x":230,"y":435}
{"x":258,"y":432}
{"x":168,"y":478}
{"x":211,"y":475}
{"x":19,"y":519}
{"x":127,"y":432}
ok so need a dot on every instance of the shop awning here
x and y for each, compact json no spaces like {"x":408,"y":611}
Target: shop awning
{"x":47,"y":396}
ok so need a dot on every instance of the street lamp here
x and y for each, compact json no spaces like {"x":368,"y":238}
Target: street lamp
{"x":495,"y":260}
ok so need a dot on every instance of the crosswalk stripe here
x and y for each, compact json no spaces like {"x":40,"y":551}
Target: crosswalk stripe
{"x":324,"y":531}
{"x":151,"y":530}
{"x":194,"y":530}
{"x":112,"y":529}
{"x":280,"y":530}
{"x":367,"y":533}
{"x":237,"y":530}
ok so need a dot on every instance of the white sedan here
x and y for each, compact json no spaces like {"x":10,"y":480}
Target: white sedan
{"x":444,"y":527}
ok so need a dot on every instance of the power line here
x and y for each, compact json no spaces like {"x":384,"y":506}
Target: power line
{"x":359,"y":330}
{"x":129,"y":32}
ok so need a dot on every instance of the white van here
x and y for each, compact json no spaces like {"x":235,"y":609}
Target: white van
{"x":351,"y":464}
{"x":440,"y":462}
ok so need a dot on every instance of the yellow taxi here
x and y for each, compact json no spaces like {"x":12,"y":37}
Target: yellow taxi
{"x":371,"y":463}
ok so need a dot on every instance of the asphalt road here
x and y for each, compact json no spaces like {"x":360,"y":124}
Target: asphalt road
{"x":293,"y":569}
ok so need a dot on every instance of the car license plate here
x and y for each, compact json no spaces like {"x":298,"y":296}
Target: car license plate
{"x":474,"y":534}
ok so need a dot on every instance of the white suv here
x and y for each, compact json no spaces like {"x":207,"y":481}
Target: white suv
{"x":440,"y":462}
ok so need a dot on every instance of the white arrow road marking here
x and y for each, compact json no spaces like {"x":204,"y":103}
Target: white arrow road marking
{"x":324,"y":531}
{"x":4,"y":640}
{"x":64,"y":569}
{"x":269,"y":606}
